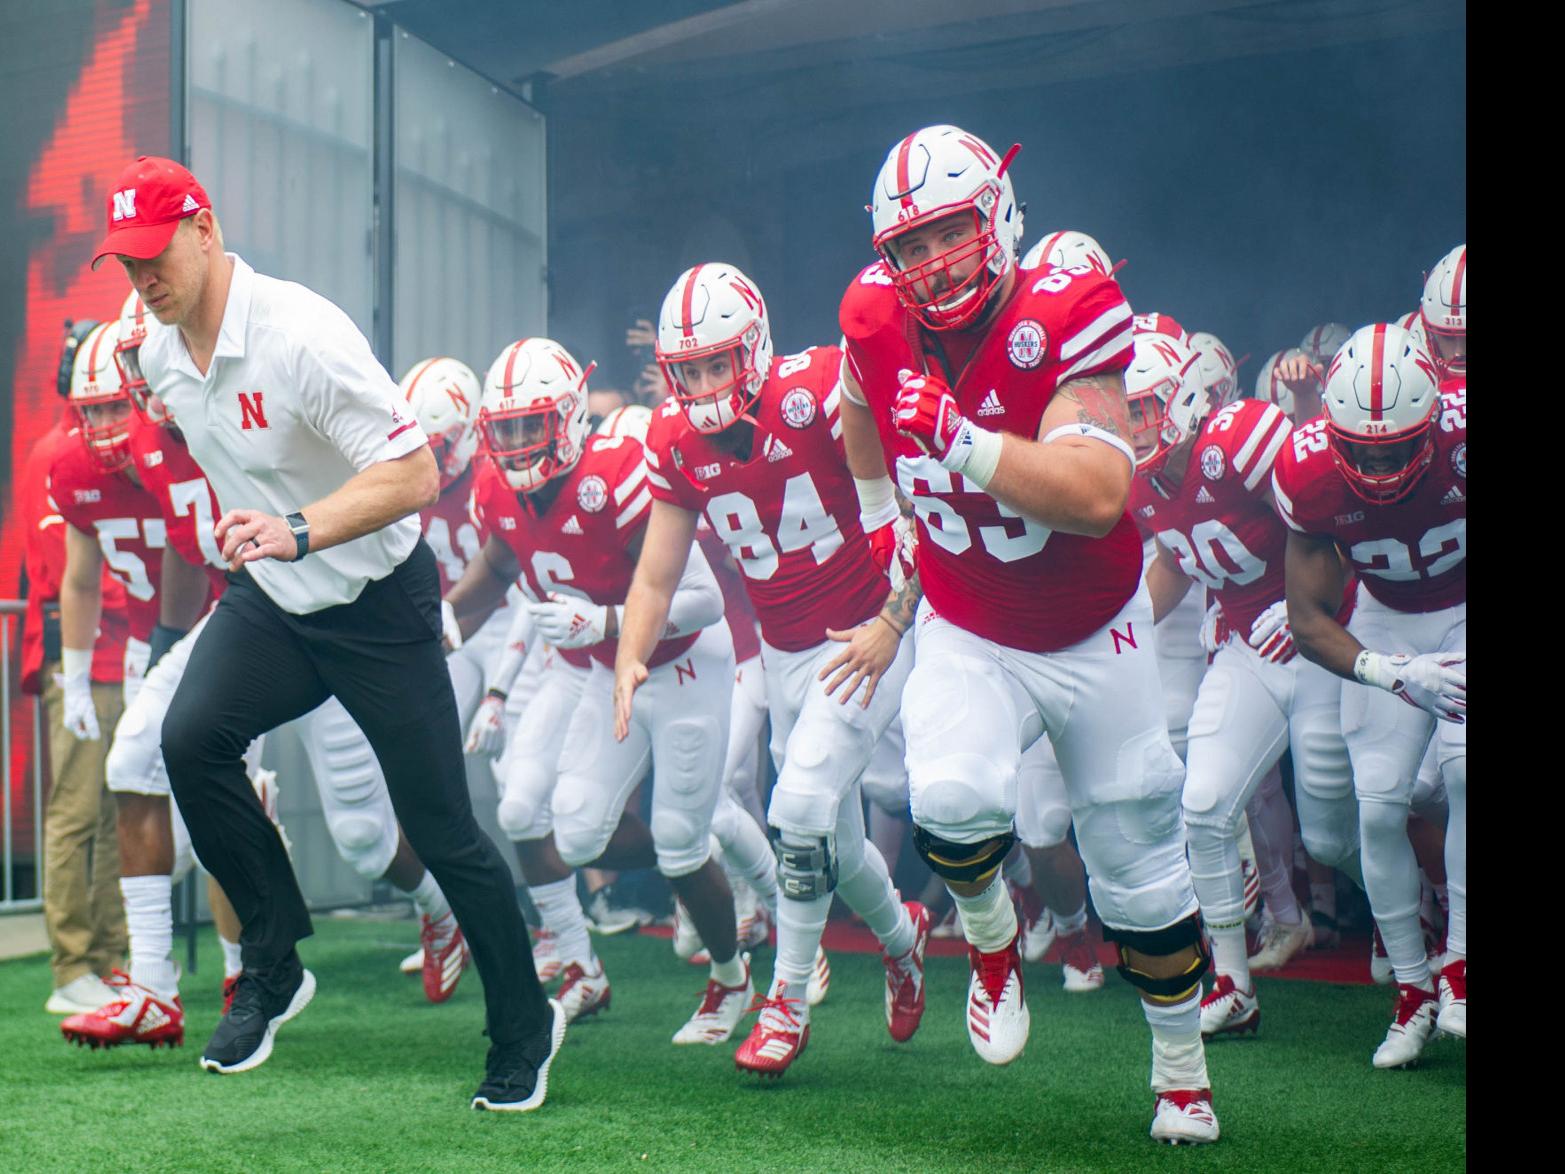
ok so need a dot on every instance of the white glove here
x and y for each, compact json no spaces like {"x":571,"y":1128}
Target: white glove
{"x":486,"y":732}
{"x":1271,"y":636}
{"x":80,"y":716}
{"x":1214,"y":629}
{"x":569,"y":623}
{"x":450,"y":630}
{"x":1435,"y":681}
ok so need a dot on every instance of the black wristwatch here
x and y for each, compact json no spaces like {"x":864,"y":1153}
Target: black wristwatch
{"x":301,"y":534}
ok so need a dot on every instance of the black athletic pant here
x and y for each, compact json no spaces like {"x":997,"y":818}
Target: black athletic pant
{"x":256,"y":666}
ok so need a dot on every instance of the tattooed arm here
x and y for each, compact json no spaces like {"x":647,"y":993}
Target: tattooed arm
{"x":1078,"y":482}
{"x":872,"y":646}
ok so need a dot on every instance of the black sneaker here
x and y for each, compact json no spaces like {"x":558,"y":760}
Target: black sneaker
{"x":516,"y":1077}
{"x":264,"y":1000}
{"x":606,"y":916}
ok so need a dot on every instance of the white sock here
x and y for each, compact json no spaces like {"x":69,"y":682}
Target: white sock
{"x":428,"y":899}
{"x":1178,"y":1057}
{"x":989,"y":919}
{"x":231,"y":962}
{"x":800,"y":924}
{"x":730,"y":973}
{"x":560,"y":909}
{"x":149,"y":919}
{"x":1074,"y":924}
{"x":1230,"y":954}
{"x":868,"y":893}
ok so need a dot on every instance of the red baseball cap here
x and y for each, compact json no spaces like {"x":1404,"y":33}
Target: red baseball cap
{"x":152,"y":196}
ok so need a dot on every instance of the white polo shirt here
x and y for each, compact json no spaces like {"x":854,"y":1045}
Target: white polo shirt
{"x":293,"y":405}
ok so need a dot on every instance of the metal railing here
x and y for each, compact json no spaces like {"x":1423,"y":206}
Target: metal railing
{"x":16,"y":776}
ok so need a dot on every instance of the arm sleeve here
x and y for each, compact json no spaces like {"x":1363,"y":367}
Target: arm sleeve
{"x":348,"y":397}
{"x":508,"y":662}
{"x":698,"y":600}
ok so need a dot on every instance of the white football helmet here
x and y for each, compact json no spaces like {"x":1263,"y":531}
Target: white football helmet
{"x":1413,"y":323}
{"x":1381,"y":400}
{"x":1067,"y":249}
{"x":133,"y":326}
{"x":631,"y":420}
{"x":444,"y":394}
{"x":1444,"y":312}
{"x":1272,"y":390}
{"x":1321,"y":345}
{"x":533,"y":415}
{"x":98,"y":400}
{"x":934,"y":173}
{"x":1166,"y":399}
{"x":714,"y":344}
{"x":1163,"y":324}
{"x":1215,"y":362}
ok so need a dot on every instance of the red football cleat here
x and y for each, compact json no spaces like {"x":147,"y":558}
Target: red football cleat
{"x":778,"y":1038}
{"x":445,"y":957}
{"x":905,"y":980}
{"x":136,"y":1016}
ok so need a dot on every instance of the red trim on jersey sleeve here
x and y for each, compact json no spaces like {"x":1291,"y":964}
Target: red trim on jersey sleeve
{"x":631,"y":498}
{"x":1259,"y":433}
{"x":1098,"y":331}
{"x":664,"y":477}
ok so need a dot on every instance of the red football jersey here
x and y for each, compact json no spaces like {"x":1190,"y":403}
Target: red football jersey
{"x":737,"y":608}
{"x":126,"y":521}
{"x":985,"y":568}
{"x":450,"y":529}
{"x":789,"y":514}
{"x":184,"y":496}
{"x":580,"y":543}
{"x":43,"y":561}
{"x":1217,"y":523}
{"x":1411,"y":554}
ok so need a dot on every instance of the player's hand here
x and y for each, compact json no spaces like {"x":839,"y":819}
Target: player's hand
{"x":1296,"y":370}
{"x":1271,"y":636}
{"x":450,"y":630}
{"x":1435,"y":682}
{"x":894,"y":549}
{"x":1214,"y":629}
{"x":628,"y":678}
{"x":871,"y":647}
{"x":925,"y":411}
{"x":80,"y":715}
{"x":247,"y":535}
{"x":567,"y":622}
{"x":486,"y":732}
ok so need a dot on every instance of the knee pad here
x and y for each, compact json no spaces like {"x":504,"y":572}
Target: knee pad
{"x":1334,"y":851}
{"x":682,"y":841}
{"x":963,"y":862}
{"x":524,"y":811}
{"x":1322,"y":767}
{"x":806,"y":866}
{"x":687,"y":768}
{"x":366,"y":843}
{"x":1160,"y":943}
{"x":1383,"y":820}
{"x":353,"y":772}
{"x":963,"y":796}
{"x":725,"y":820}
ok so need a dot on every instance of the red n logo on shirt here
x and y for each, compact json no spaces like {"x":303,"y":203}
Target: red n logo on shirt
{"x":1129,"y":637}
{"x":251,"y":412}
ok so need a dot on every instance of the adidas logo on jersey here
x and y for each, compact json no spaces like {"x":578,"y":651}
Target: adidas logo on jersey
{"x":572,"y":526}
{"x":1453,"y":495}
{"x":778,"y":452}
{"x":991,"y":405}
{"x":1203,"y":497}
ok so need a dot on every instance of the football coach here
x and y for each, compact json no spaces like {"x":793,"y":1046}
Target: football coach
{"x":320,"y":472}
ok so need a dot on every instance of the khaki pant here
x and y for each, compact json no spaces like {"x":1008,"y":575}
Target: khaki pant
{"x":81,"y":896}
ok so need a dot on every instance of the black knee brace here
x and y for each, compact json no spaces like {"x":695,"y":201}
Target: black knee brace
{"x":962,"y":862}
{"x":806,"y":865}
{"x":1161,"y":943}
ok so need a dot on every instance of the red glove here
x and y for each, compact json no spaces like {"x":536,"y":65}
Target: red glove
{"x":926,"y":412}
{"x":893,"y":547}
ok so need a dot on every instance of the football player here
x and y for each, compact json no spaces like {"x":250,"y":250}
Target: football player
{"x":754,"y":444}
{"x":567,"y":515}
{"x":996,"y":399}
{"x":1067,"y":249}
{"x":1442,"y":314}
{"x":1205,"y":493}
{"x":1383,"y":479}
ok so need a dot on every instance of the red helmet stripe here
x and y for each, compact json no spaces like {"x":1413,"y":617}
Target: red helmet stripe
{"x":428,"y":363}
{"x":686,"y":302}
{"x":904,"y":149}
{"x":510,"y":365}
{"x":92,"y":355}
{"x":1377,"y":383}
{"x":1458,"y":278}
{"x":1048,"y":246}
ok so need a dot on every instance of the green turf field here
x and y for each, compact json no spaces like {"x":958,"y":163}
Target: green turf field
{"x":370,"y":1077}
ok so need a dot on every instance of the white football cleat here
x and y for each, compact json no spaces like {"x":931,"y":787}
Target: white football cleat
{"x":546,"y":956}
{"x":1184,"y":1116}
{"x":820,"y":980}
{"x":754,"y":924}
{"x":1452,"y":1019}
{"x":1279,"y":943}
{"x":721,"y":1009}
{"x":1038,"y":936}
{"x":413,"y":963}
{"x":583,"y":993}
{"x":1081,"y":970}
{"x":1379,"y":961}
{"x":686,"y":940}
{"x":997,"y":1016}
{"x":1412,"y":1023}
{"x":1229,"y":1009}
{"x":445,"y":957}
